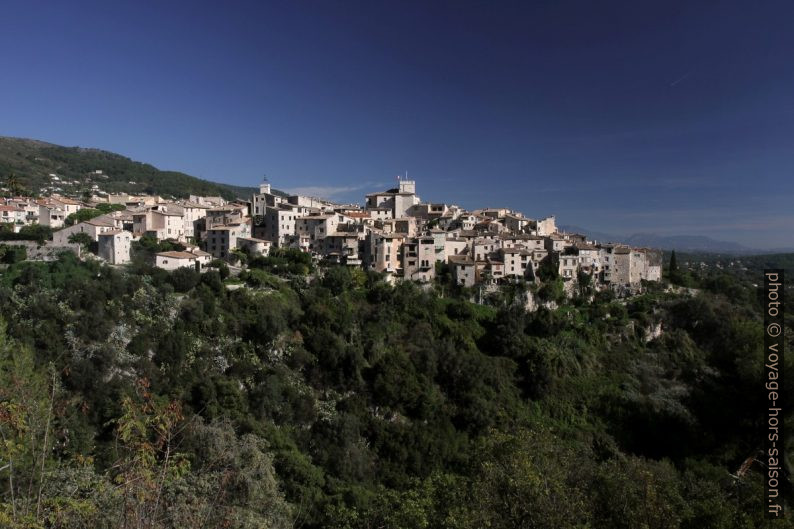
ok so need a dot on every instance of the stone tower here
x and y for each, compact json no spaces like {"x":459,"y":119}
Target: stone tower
{"x":408,"y":186}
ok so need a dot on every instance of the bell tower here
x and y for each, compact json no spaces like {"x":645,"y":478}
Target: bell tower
{"x":264,"y":187}
{"x":408,"y":186}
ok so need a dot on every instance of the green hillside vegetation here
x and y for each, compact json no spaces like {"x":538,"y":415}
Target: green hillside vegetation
{"x":328,"y":398}
{"x":696,"y":269}
{"x":91,"y":213}
{"x":30,"y":162}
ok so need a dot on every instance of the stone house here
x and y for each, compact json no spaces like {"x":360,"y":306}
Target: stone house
{"x":93,"y":228}
{"x":464,"y":270}
{"x":174,"y":260}
{"x":254,"y":247}
{"x":384,"y":252}
{"x":221,"y":240}
{"x":54,"y":210}
{"x":555,"y":243}
{"x":114,"y":246}
{"x":516,"y":261}
{"x":419,"y":258}
{"x":455,"y":246}
{"x":159,"y":223}
{"x":483,"y":247}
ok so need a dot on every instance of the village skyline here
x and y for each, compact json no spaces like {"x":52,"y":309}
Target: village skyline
{"x":671,"y":118}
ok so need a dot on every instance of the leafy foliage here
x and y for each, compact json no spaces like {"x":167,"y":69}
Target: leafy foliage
{"x":12,"y":254}
{"x":142,"y":398}
{"x":27,"y":233}
{"x":289,"y":261}
{"x":85,"y":214}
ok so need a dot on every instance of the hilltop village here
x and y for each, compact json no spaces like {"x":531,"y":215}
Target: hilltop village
{"x":394,"y":233}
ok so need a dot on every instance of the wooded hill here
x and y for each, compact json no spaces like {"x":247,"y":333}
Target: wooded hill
{"x":327,"y":398}
{"x":31,"y":162}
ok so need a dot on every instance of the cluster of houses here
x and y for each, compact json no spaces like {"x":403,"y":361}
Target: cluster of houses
{"x":394,"y":233}
{"x":397,"y":234}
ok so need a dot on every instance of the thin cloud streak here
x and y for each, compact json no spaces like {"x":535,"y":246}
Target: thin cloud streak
{"x":683,"y":77}
{"x":331,"y":191}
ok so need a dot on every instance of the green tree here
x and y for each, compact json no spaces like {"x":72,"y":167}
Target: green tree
{"x":552,"y":290}
{"x":523,"y":479}
{"x":184,"y":279}
{"x":81,"y":238}
{"x":82,"y":215}
{"x":15,"y":186}
{"x":232,"y":482}
{"x":35,"y":232}
{"x":12,"y":254}
{"x":673,"y":271}
{"x":549,"y":269}
{"x":35,"y":491}
{"x":584,"y":283}
{"x":221,"y":266}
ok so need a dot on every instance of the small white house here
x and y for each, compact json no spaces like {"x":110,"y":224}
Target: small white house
{"x":254,"y":246}
{"x":174,"y":260}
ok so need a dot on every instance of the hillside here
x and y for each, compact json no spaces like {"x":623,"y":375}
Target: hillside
{"x":32,"y":162}
{"x":336,"y":400}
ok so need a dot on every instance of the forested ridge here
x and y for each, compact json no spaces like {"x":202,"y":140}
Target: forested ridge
{"x":27,"y":165}
{"x":325,"y":397}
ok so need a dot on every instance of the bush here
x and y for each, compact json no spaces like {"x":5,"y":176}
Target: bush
{"x":144,"y":249}
{"x":549,"y":268}
{"x":259,"y":278}
{"x":284,"y":261}
{"x":221,"y":267}
{"x":82,"y":216}
{"x":552,"y":290}
{"x":13,"y":254}
{"x":184,"y":279}
{"x":37,"y":233}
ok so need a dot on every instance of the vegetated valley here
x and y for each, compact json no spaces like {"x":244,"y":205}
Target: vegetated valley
{"x":296,"y":395}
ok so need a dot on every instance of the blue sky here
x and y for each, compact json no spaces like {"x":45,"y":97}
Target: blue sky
{"x":665,"y":117}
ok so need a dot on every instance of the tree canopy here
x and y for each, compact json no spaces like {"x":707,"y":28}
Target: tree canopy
{"x":326,"y":397}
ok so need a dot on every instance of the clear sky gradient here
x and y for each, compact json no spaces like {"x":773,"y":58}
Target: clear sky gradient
{"x":624,"y":117}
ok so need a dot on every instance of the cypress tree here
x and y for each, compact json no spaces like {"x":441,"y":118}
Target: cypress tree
{"x":674,"y":273}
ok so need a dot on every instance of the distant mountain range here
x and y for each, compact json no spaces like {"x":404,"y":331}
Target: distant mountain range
{"x":32,"y":162}
{"x":681,"y":243}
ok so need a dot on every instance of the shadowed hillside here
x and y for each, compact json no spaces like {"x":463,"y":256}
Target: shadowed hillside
{"x":32,"y":162}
